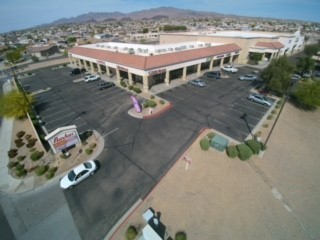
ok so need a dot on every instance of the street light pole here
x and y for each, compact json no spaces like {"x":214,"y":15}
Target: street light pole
{"x":244,"y":117}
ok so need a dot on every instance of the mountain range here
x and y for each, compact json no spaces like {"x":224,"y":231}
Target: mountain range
{"x":153,"y":13}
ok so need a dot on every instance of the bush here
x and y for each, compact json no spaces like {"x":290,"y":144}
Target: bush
{"x":180,"y":236}
{"x":36,"y":155}
{"x":12,"y":164}
{"x":21,"y":158}
{"x":40,"y":170}
{"x":49,"y":175}
{"x":274,"y":112}
{"x":64,"y":156}
{"x":254,"y":145}
{"x":19,"y":142}
{"x":210,"y":135}
{"x":149,"y":104}
{"x":265,"y":125}
{"x":21,"y":172}
{"x":245,"y":152}
{"x":270,"y":117}
{"x":28,"y":136}
{"x":123,"y":84}
{"x":20,"y":134}
{"x":204,"y":144}
{"x":12,"y":153}
{"x":152,"y":97}
{"x":19,"y":166}
{"x":53,"y":169}
{"x":131,"y":233}
{"x":232,"y":151}
{"x":30,"y":144}
{"x":161,"y":101}
{"x":88,"y":151}
{"x":130,"y":87}
{"x":136,"y":89}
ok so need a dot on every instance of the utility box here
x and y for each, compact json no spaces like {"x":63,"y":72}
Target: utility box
{"x":218,"y":142}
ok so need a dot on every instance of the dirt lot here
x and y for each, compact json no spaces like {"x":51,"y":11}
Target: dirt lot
{"x":273,"y":197}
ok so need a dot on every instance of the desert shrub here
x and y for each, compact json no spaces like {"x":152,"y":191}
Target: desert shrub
{"x":19,"y":142}
{"x":36,"y":155}
{"x":32,"y":140}
{"x":19,"y":166}
{"x":210,"y":135}
{"x":30,"y":144}
{"x":152,"y":97}
{"x":149,"y":104}
{"x":232,"y":151}
{"x":12,"y":164}
{"x":53,"y":169}
{"x":131,"y":233}
{"x":21,"y":172}
{"x":136,"y":89}
{"x":245,"y":152}
{"x":85,"y":135}
{"x":40,"y":170}
{"x":123,"y":84}
{"x":270,"y":117}
{"x":265,"y":125}
{"x":130,"y":87}
{"x":20,"y":134}
{"x":254,"y":145}
{"x":204,"y":144}
{"x":21,"y":158}
{"x":274,"y":112}
{"x":161,"y":101}
{"x":180,"y":236}
{"x":12,"y":153}
{"x":28,"y":136}
{"x":88,"y":151}
{"x":49,"y":175}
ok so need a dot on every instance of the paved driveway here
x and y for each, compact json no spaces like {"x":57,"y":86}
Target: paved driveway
{"x":137,"y":152}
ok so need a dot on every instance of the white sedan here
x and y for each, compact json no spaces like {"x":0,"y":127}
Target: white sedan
{"x":91,"y":78}
{"x":78,"y":174}
{"x":229,"y":68}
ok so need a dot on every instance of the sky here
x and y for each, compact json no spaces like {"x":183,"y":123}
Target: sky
{"x":21,"y":14}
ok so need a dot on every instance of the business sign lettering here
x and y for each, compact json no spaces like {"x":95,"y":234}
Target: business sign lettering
{"x":136,"y":104}
{"x":158,"y":71}
{"x":63,"y":139}
{"x":122,"y":68}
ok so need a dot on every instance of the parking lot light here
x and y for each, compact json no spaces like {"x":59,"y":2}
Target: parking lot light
{"x":244,"y":117}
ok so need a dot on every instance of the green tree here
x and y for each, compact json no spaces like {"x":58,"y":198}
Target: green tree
{"x":307,"y":95}
{"x":15,"y":104}
{"x":277,"y":76}
{"x":311,"y":50}
{"x":305,"y":64}
{"x":256,"y":57}
{"x":145,"y":30}
{"x":13,"y":55}
{"x":71,"y":39}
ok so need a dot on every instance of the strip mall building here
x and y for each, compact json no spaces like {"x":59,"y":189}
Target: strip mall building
{"x":180,"y":55}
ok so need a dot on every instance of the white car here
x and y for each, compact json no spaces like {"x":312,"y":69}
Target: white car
{"x":78,"y":174}
{"x":229,"y":68}
{"x":91,"y":78}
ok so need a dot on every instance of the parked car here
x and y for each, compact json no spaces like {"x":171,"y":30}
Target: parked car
{"x":105,"y":85}
{"x":229,"y":68}
{"x":212,"y":74}
{"x":295,"y":77}
{"x":91,"y":78}
{"x":77,"y":71}
{"x":307,"y":74}
{"x":259,"y":99}
{"x":198,"y":83}
{"x":78,"y":174}
{"x":248,"y":77}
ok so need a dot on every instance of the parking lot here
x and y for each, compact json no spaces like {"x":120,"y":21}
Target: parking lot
{"x":137,"y":152}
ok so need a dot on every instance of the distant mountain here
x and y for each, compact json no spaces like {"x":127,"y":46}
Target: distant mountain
{"x":153,"y":13}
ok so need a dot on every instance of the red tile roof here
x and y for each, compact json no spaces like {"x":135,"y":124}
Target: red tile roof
{"x":270,"y":45}
{"x":155,"y":61}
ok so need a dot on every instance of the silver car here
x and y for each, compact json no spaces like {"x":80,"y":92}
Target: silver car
{"x":259,"y":99}
{"x":198,"y":83}
{"x":248,"y":77}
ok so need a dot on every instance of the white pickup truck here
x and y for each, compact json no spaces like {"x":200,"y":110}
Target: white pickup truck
{"x":229,"y":68}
